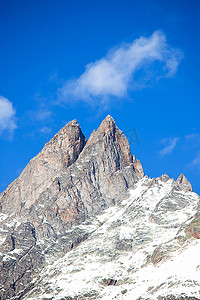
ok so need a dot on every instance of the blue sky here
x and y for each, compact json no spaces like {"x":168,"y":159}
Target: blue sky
{"x":135,"y":60}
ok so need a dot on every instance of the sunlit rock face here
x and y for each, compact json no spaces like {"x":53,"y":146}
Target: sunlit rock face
{"x":183,"y":183}
{"x":56,"y":156}
{"x":83,"y":222}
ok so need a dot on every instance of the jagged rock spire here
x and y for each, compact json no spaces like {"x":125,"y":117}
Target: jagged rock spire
{"x":57,"y":155}
{"x":183,"y":182}
{"x":106,"y":152}
{"x":111,"y":137}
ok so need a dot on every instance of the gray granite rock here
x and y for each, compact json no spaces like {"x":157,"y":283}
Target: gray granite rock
{"x":20,"y":256}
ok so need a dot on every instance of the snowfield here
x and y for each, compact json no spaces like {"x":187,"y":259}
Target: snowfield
{"x":137,"y":249}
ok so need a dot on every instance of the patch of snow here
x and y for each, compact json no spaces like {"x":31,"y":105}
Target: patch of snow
{"x":3,"y":217}
{"x":8,"y":257}
{"x":2,"y":239}
{"x":15,"y":251}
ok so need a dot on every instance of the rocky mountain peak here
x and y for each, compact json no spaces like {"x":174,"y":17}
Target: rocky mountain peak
{"x":57,"y":155}
{"x":112,"y":141}
{"x":108,"y":124}
{"x":74,"y":122}
{"x":183,"y":182}
{"x":164,"y":177}
{"x":90,"y":203}
{"x":108,"y":118}
{"x":106,"y":128}
{"x":69,"y":141}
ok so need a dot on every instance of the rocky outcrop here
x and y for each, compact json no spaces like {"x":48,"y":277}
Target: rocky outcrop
{"x":138,"y":167}
{"x":183,"y":183}
{"x":109,"y":281}
{"x":164,"y":177}
{"x":20,"y":257}
{"x":193,"y":228}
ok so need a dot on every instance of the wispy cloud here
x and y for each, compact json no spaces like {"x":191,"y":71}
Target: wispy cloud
{"x":195,"y":163}
{"x":193,"y":139}
{"x":7,"y":117}
{"x":113,"y":75}
{"x":192,"y":144}
{"x":45,"y":130}
{"x":169,"y":145}
{"x":42,"y":113}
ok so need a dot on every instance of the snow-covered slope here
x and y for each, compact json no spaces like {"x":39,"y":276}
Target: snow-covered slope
{"x":136,"y":249}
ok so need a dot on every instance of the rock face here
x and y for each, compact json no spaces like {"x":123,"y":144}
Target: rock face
{"x":184,"y":183}
{"x":138,"y":167}
{"x":88,"y":206}
{"x":22,"y":257}
{"x":57,"y":155}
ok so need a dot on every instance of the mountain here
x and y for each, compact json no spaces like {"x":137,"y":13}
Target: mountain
{"x":83,"y":222}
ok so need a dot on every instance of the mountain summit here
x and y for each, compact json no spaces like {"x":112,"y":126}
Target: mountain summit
{"x":83,"y":222}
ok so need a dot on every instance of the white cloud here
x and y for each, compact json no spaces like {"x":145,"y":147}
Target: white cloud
{"x":169,"y":145}
{"x":7,"y":117}
{"x":113,"y":75}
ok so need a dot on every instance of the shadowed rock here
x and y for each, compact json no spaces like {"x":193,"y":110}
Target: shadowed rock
{"x":20,"y":257}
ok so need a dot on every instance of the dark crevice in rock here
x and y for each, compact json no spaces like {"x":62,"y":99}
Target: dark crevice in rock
{"x":13,"y":241}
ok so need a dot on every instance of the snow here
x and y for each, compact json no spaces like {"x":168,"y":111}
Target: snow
{"x":2,"y":239}
{"x":83,"y":269}
{"x":8,"y":257}
{"x":13,"y":223}
{"x":3,"y":217}
{"x":16,"y":251}
{"x":183,"y":266}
